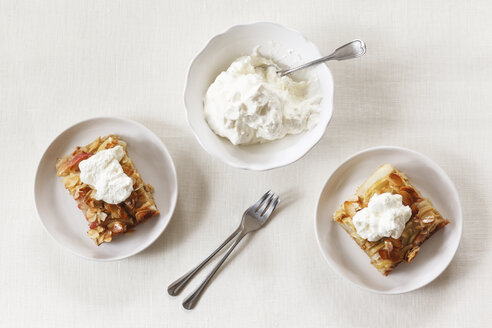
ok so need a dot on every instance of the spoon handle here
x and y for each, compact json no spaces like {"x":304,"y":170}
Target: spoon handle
{"x":350,"y":50}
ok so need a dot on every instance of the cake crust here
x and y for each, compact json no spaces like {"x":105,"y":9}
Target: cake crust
{"x":107,"y":220}
{"x":386,"y":253}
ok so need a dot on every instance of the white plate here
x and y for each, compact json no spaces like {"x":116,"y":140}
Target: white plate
{"x":58,"y":211}
{"x":344,"y":255}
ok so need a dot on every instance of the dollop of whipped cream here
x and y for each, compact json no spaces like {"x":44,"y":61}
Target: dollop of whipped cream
{"x":104,"y":173}
{"x":385,"y":216}
{"x":250,"y":103}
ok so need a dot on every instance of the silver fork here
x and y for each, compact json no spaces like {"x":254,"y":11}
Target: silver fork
{"x":253,"y":219}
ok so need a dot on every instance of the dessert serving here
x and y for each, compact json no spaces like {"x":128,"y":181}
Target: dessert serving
{"x":389,"y":218}
{"x":107,"y":187}
{"x":251,"y":103}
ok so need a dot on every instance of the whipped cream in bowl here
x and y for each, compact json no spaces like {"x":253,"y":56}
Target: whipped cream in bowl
{"x":245,"y":114}
{"x":250,"y":103}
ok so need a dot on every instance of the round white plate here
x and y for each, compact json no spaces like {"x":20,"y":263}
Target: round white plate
{"x":58,"y":211}
{"x":344,"y":255}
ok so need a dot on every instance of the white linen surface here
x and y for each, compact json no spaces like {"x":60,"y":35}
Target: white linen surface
{"x":424,"y":83}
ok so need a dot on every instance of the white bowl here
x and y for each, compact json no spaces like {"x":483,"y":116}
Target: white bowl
{"x":216,"y":57}
{"x":344,"y":255}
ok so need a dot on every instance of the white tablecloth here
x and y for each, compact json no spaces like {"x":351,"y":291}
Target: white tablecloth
{"x":424,"y":84}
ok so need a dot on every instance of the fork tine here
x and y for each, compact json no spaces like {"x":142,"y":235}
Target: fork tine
{"x":260,"y":201}
{"x":265,"y":204}
{"x":270,"y":210}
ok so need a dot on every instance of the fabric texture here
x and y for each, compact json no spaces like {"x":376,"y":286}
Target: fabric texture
{"x":424,"y":84}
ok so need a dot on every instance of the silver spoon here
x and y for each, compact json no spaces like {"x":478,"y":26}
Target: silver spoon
{"x":353,"y":49}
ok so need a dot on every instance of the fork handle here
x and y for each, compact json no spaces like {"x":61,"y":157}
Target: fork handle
{"x":190,"y":302}
{"x":175,"y":288}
